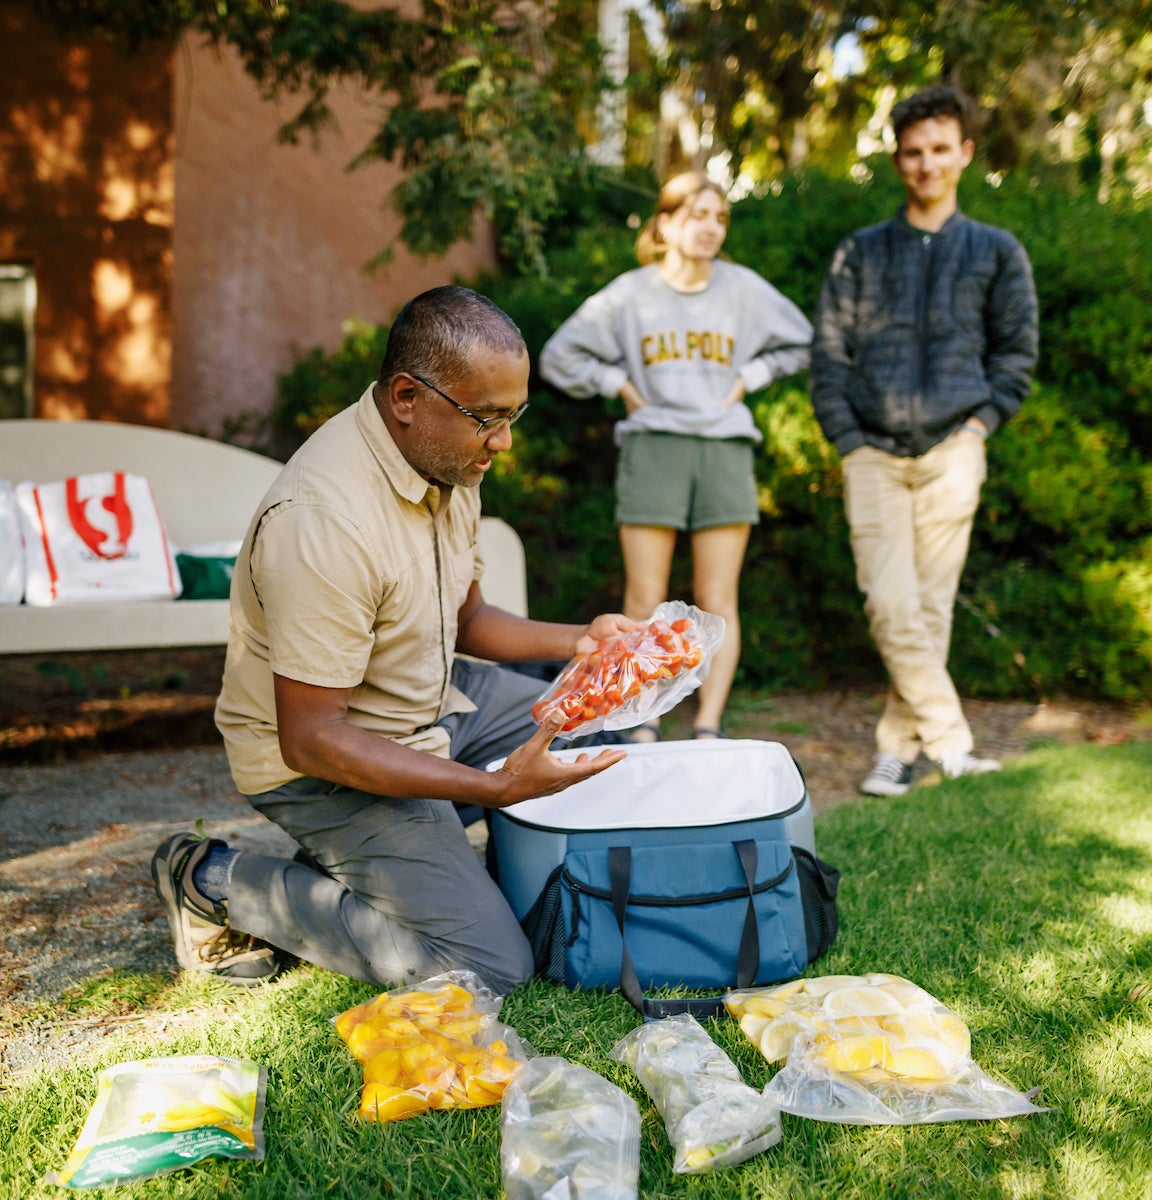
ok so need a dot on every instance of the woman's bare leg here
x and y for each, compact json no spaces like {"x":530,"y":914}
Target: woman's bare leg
{"x":647,"y":553}
{"x":717,"y":558}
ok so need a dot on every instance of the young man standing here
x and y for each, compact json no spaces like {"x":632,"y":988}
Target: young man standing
{"x":925,"y":342}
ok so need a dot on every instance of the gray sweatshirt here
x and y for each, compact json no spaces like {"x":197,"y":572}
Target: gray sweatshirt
{"x":681,"y":350}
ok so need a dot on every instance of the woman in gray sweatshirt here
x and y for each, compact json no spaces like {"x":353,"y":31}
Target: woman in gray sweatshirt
{"x":682,"y":341}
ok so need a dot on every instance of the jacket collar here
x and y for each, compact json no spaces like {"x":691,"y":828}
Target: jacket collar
{"x":901,"y":224}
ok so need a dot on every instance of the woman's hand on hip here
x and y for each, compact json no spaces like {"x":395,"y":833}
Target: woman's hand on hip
{"x":736,"y":393}
{"x":631,"y":396}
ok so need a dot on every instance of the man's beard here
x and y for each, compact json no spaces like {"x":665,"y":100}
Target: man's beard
{"x":441,"y":464}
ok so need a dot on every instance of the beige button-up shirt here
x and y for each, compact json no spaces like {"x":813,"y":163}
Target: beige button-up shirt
{"x":352,"y":575}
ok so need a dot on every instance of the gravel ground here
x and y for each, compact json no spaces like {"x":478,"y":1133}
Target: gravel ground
{"x":76,"y":898}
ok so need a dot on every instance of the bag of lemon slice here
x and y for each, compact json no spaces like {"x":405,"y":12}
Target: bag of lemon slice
{"x":871,"y":1049}
{"x":164,"y":1114}
{"x":431,"y":1045}
{"x":712,"y":1117}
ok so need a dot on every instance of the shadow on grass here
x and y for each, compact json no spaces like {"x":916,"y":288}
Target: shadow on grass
{"x":1024,"y":901}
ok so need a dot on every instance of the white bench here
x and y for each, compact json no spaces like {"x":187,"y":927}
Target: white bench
{"x":206,"y":491}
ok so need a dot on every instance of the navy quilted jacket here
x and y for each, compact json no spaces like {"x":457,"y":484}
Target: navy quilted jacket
{"x":917,"y":332}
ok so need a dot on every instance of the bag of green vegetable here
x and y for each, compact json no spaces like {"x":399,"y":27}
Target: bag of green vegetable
{"x":713,"y":1118}
{"x":567,"y":1132}
{"x":164,"y":1114}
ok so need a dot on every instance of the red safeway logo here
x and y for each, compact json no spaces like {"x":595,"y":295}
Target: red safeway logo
{"x":93,"y":517}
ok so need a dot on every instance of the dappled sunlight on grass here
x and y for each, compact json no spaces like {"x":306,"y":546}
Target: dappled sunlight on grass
{"x":1022,"y":901}
{"x":1022,"y":1183}
{"x":1084,"y":1171}
{"x":1128,"y":912}
{"x":1118,"y":1060}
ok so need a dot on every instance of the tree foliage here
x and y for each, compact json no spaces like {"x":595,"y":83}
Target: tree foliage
{"x":780,"y":83}
{"x":489,"y":105}
{"x":484,"y":104}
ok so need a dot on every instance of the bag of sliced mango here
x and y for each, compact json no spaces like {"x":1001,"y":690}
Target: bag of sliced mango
{"x":871,"y":1049}
{"x":164,"y":1114}
{"x":433,"y":1045}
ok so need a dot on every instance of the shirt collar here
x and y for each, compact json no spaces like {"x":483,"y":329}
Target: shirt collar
{"x":405,"y":481}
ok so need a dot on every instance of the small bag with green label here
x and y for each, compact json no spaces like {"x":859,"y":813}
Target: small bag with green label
{"x":164,"y":1114}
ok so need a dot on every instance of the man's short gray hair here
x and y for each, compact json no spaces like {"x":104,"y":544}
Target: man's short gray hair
{"x":435,"y":334}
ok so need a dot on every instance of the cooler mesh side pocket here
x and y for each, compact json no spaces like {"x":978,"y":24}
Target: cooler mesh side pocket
{"x":819,"y":883}
{"x":543,"y":926}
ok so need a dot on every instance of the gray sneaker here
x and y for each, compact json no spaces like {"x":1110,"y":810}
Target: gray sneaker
{"x":954,"y":763}
{"x":890,"y":776}
{"x":205,"y":941}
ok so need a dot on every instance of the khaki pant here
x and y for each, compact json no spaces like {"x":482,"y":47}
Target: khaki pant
{"x":910,"y":521}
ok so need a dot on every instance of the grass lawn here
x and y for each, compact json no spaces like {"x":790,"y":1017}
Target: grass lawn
{"x":1022,"y":901}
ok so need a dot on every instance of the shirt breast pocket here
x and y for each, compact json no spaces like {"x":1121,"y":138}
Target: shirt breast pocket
{"x":460,"y":566}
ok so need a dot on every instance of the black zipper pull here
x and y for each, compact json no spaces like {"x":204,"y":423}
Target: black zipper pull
{"x":575,"y":911}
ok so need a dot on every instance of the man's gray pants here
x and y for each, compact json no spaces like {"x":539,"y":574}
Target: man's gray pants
{"x":404,"y":896}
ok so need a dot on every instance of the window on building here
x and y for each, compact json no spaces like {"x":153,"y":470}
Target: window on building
{"x":17,"y":312}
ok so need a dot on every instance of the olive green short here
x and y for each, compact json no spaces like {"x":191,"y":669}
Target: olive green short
{"x":684,"y":482}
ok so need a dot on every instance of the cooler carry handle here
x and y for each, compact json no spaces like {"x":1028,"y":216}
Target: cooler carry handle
{"x":747,"y":957}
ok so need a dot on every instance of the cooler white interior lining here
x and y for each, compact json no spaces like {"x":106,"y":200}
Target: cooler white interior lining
{"x":671,"y":784}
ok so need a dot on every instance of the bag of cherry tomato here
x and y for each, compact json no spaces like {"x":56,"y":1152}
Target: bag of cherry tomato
{"x":635,"y":677}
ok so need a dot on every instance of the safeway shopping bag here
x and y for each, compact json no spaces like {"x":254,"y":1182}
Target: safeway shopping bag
{"x":95,"y":538}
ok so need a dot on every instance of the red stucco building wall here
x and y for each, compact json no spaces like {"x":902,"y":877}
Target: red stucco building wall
{"x":271,"y":241}
{"x":86,"y":197}
{"x":182,"y":255}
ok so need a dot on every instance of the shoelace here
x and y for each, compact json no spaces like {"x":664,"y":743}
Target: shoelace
{"x":889,"y":768}
{"x":228,"y":943}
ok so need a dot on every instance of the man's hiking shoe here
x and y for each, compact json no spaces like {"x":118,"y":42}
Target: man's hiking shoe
{"x":205,"y":941}
{"x":954,"y":763}
{"x":890,"y":776}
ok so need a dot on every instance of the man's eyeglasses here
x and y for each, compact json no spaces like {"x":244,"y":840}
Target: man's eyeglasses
{"x":485,"y":426}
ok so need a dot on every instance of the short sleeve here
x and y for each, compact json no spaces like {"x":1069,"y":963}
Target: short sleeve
{"x":321,"y":592}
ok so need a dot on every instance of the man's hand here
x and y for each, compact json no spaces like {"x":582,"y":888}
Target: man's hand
{"x":606,"y":625}
{"x":532,"y":770}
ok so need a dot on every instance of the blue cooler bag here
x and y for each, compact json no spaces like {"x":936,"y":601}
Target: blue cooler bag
{"x":688,"y":864}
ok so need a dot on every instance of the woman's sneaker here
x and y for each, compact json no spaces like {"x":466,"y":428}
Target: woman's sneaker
{"x":204,"y":938}
{"x":890,"y":776}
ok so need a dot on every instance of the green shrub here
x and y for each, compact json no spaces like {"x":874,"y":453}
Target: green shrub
{"x":1057,"y":595}
{"x":319,"y":385}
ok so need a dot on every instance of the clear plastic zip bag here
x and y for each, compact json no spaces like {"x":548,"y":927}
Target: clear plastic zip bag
{"x":635,"y":677}
{"x":567,"y":1133}
{"x":430,"y":1046}
{"x":871,"y":1049}
{"x":713,"y":1118}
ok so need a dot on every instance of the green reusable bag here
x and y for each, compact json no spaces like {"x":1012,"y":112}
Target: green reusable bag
{"x":205,"y":577}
